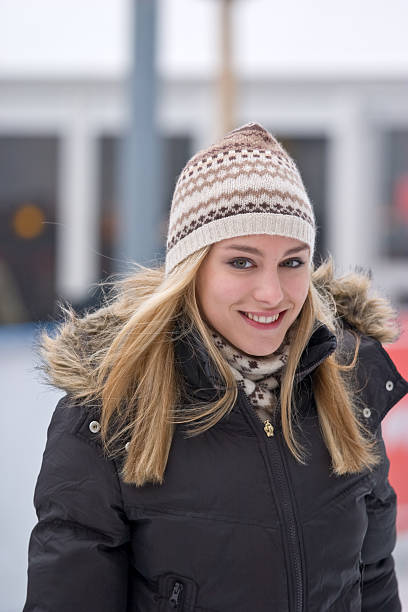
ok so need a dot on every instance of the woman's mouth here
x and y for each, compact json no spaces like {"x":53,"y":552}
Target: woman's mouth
{"x":262,"y":321}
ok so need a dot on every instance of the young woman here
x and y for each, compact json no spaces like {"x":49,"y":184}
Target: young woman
{"x":219,"y":447}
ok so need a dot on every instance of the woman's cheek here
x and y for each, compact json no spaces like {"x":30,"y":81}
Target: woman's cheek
{"x":299,"y":292}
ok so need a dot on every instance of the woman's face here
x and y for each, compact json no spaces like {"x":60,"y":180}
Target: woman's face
{"x":250,"y":289}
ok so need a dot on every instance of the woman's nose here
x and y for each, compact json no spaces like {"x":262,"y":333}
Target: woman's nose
{"x":268,"y":289}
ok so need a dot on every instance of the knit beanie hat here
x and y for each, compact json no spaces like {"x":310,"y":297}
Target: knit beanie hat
{"x":245,"y":184}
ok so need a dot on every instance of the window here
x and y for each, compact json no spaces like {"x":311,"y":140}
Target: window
{"x":394,"y":193}
{"x":28,"y":194}
{"x":175,"y":151}
{"x":108,"y":194}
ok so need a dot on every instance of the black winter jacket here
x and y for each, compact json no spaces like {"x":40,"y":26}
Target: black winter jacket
{"x":238,"y":525}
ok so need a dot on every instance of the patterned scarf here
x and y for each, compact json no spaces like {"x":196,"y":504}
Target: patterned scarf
{"x":258,"y":376}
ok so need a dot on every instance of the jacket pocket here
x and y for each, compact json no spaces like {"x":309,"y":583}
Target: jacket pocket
{"x":177,"y":593}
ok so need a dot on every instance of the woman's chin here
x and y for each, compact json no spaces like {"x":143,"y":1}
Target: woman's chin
{"x":259,"y":349}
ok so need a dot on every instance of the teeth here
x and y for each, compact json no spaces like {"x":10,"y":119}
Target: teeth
{"x":262,"y":319}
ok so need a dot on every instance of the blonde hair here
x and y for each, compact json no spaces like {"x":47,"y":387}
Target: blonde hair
{"x":140,"y":389}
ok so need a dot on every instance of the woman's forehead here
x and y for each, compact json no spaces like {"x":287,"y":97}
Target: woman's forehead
{"x":261,"y":243}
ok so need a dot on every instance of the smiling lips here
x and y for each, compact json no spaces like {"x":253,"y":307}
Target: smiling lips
{"x":262,"y":321}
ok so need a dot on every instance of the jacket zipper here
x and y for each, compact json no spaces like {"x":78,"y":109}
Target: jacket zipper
{"x":268,"y":428}
{"x":267,"y":425}
{"x":175,"y":597}
{"x":287,"y":514}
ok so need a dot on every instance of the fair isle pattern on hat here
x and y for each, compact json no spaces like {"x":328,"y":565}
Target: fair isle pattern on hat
{"x":245,"y":184}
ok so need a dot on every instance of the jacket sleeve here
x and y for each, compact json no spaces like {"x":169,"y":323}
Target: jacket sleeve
{"x":78,"y":557}
{"x":379,"y":583}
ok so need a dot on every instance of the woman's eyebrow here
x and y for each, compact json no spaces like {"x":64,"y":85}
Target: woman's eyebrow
{"x":297,"y":249}
{"x":255,"y":251}
{"x":243,"y":247}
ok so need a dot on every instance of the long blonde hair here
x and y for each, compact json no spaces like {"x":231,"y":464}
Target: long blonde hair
{"x":139,"y":388}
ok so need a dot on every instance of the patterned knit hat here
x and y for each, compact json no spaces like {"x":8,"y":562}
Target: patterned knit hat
{"x":245,"y":184}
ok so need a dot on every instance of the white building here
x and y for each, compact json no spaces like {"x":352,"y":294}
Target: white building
{"x":331,"y":81}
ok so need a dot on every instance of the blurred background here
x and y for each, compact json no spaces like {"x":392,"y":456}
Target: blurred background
{"x":101,"y":104}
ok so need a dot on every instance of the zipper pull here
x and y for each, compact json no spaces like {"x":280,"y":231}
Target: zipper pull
{"x":268,"y":428}
{"x":175,"y":596}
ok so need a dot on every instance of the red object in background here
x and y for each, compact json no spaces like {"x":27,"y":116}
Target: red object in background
{"x":395,"y":431}
{"x":401,"y":197}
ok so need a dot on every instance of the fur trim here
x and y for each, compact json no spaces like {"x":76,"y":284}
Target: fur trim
{"x":69,"y":357}
{"x":357,"y":306}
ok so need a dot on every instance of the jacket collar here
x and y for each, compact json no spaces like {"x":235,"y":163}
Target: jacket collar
{"x":321,"y":345}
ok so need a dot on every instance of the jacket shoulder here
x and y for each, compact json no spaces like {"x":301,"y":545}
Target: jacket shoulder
{"x":75,"y":471}
{"x":81,"y":522}
{"x":73,"y":418}
{"x":379,"y":385}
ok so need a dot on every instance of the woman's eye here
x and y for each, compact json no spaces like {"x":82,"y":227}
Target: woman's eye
{"x":240,"y":263}
{"x":292,"y":263}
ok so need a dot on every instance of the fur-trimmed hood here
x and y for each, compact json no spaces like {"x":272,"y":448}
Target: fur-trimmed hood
{"x":69,"y":357}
